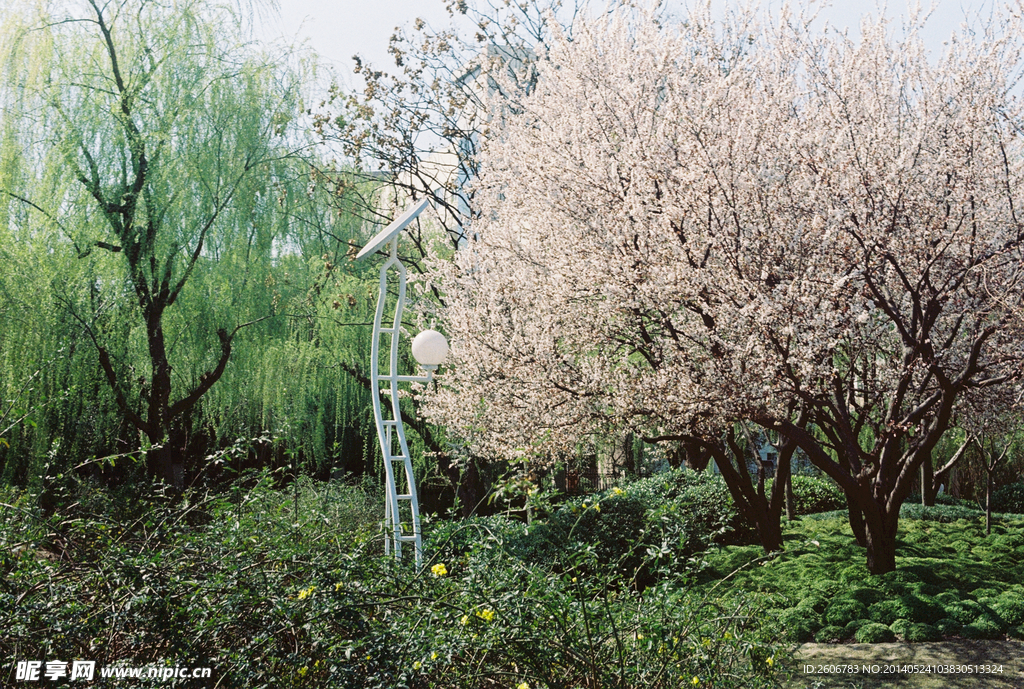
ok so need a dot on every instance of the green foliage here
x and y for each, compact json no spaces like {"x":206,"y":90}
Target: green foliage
{"x":645,"y":530}
{"x":268,"y":596}
{"x":842,"y":610}
{"x":813,"y":494}
{"x":874,"y":633}
{"x":937,"y":513}
{"x":95,"y":246}
{"x":963,"y":611}
{"x":918,"y":632}
{"x":912,"y":607}
{"x":1009,"y":498}
{"x":936,"y":584}
{"x":986,"y":626}
{"x":830,"y":634}
{"x":799,"y":623}
{"x":1010,"y":607}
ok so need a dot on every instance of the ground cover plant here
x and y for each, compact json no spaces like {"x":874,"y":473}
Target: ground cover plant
{"x":275,"y":588}
{"x":952,"y":580}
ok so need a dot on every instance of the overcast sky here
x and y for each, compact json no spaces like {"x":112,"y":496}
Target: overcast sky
{"x":339,"y":29}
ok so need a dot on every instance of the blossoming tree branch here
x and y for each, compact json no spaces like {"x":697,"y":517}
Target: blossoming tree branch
{"x":691,"y":231}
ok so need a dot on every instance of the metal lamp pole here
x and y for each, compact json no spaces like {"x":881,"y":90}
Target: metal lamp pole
{"x":429,"y":349}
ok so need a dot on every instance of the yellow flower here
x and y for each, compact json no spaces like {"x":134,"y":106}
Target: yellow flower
{"x":306,"y":593}
{"x":439,"y":570}
{"x":417,"y":665}
{"x":727,"y":636}
{"x":433,"y":655}
{"x":696,"y":681}
{"x":597,"y":506}
{"x":485,"y":614}
{"x":464,"y":620}
{"x":522,"y":685}
{"x":337,"y":587}
{"x":617,"y":491}
{"x":770,"y":661}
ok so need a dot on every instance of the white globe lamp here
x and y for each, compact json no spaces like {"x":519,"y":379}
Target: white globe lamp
{"x":429,"y":348}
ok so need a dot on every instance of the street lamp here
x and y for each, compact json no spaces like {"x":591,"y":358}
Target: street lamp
{"x":429,"y":348}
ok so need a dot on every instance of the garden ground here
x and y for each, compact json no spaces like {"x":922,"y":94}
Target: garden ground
{"x":1008,"y":654}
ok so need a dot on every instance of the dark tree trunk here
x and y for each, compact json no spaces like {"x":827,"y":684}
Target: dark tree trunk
{"x":880,"y":534}
{"x":988,"y":500}
{"x":928,"y":488}
{"x":790,"y":500}
{"x":764,"y":515}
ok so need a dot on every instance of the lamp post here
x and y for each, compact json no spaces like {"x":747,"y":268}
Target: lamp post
{"x":429,"y":348}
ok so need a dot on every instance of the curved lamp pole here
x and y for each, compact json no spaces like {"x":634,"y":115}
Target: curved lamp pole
{"x":429,"y":348}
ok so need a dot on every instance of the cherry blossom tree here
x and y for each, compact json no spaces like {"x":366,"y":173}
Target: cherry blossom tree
{"x":694,"y":225}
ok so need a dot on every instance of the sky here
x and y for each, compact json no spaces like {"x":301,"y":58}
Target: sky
{"x":339,"y":29}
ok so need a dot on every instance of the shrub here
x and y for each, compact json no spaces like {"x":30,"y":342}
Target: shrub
{"x":874,"y":633}
{"x":1009,"y":498}
{"x":853,"y":625}
{"x":986,"y":626}
{"x":963,"y":611}
{"x":842,"y":610}
{"x":310,"y":605}
{"x":865,"y":595}
{"x":938,"y":513}
{"x":830,"y":634}
{"x":812,"y":495}
{"x":948,"y":626}
{"x":900,"y":627}
{"x":886,"y":612}
{"x":917,"y":632}
{"x":1010,"y":607}
{"x":800,"y":624}
{"x":649,"y":528}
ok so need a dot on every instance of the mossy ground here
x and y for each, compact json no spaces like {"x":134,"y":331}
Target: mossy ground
{"x":952,"y":581}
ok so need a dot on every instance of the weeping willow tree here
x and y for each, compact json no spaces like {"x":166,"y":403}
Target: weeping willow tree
{"x":148,"y":154}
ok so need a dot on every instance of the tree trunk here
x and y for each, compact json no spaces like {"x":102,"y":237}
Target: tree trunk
{"x":790,"y":500}
{"x":856,"y":517}
{"x":928,"y":489}
{"x":764,"y":515}
{"x":880,"y":535}
{"x":769,"y":531}
{"x":988,"y":500}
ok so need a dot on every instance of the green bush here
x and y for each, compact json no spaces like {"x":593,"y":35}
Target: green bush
{"x":842,"y":610}
{"x":874,"y":633}
{"x":900,"y":627}
{"x":986,"y":626}
{"x":830,"y":634}
{"x":644,"y":530}
{"x":948,"y":626}
{"x":917,"y":632}
{"x":888,"y":611}
{"x":963,"y":611}
{"x":1009,"y":498}
{"x":1010,"y":607}
{"x":853,"y":625}
{"x":938,"y":513}
{"x":273,"y":596}
{"x":812,"y":495}
{"x":800,"y":624}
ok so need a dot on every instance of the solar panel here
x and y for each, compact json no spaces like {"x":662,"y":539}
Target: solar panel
{"x":389,"y":232}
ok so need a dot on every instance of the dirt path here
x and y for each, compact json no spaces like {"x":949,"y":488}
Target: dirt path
{"x":856,"y":666}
